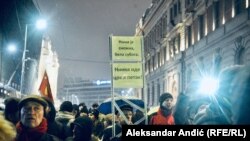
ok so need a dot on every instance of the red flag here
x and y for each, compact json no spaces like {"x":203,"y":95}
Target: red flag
{"x":45,"y":89}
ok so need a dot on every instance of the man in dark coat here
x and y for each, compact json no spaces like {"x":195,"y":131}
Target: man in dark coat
{"x":11,"y":112}
{"x":82,"y":130}
{"x":54,"y":127}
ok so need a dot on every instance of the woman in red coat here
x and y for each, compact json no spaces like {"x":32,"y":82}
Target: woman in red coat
{"x":164,"y":115}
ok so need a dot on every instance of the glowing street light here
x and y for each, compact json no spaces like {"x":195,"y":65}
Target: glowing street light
{"x":40,"y":24}
{"x":12,"y":48}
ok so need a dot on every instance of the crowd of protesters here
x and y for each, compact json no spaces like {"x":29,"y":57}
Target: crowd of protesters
{"x":35,"y":118}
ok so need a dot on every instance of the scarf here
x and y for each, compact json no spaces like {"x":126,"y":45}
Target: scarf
{"x":162,"y":118}
{"x":164,"y":111}
{"x":31,"y":134}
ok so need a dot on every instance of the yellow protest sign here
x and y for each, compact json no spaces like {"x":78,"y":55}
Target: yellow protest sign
{"x":127,"y":75}
{"x":126,"y":48}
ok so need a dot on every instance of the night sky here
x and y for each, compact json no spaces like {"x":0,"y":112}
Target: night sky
{"x":80,"y":31}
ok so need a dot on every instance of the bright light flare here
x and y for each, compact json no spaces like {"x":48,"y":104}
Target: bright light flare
{"x":208,"y":85}
{"x":41,"y":24}
{"x":12,"y":48}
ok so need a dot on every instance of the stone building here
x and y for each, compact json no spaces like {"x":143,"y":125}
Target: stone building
{"x":185,"y":40}
{"x":77,"y":90}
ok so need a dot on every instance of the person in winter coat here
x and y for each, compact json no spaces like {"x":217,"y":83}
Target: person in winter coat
{"x":11,"y":112}
{"x":7,"y":131}
{"x":33,"y":125}
{"x":127,"y":110}
{"x":98,"y":126}
{"x":65,"y":116}
{"x":240,"y":97}
{"x":237,"y":93}
{"x":180,"y":110}
{"x":164,"y":115}
{"x":82,"y":130}
{"x":54,"y":127}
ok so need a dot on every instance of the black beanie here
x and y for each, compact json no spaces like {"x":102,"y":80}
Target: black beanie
{"x":84,"y":122}
{"x":86,"y":126}
{"x":66,"y":106}
{"x":11,"y":105}
{"x":164,"y":96}
{"x":95,"y":112}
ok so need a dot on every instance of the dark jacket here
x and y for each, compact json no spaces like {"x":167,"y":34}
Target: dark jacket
{"x":54,"y":127}
{"x":65,"y":118}
{"x":107,"y":133}
{"x":45,"y":137}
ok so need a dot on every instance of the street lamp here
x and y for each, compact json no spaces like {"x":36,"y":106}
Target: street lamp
{"x":12,"y":48}
{"x":40,"y":24}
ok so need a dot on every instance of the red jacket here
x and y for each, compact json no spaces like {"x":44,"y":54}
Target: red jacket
{"x":160,"y":119}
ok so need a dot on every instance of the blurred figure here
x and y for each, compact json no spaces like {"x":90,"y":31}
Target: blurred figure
{"x":197,"y":101}
{"x":240,"y":97}
{"x":119,"y":121}
{"x":83,"y":109}
{"x":225,"y":95}
{"x":138,"y":116}
{"x":180,"y":110}
{"x":76,"y":111}
{"x":107,"y":120}
{"x":33,"y":125}
{"x":65,"y":114}
{"x":164,"y":115}
{"x":219,"y":110}
{"x":197,"y":111}
{"x":65,"y":117}
{"x":94,"y":106}
{"x":82,"y":130}
{"x":127,"y":110}
{"x":7,"y":130}
{"x":98,"y":126}
{"x":11,"y":111}
{"x":54,"y":127}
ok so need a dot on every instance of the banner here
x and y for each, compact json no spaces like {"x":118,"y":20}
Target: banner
{"x":44,"y":88}
{"x":126,"y":48}
{"x":127,"y":75}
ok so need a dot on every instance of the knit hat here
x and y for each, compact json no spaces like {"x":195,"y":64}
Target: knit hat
{"x":11,"y":105}
{"x":86,"y":126}
{"x":164,"y":96}
{"x":83,"y":122}
{"x":34,"y":98}
{"x":66,"y":106}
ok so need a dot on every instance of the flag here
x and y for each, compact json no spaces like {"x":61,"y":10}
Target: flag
{"x":44,"y":88}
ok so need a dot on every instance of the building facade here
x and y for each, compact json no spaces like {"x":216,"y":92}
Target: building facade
{"x":78,"y":90}
{"x":187,"y":39}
